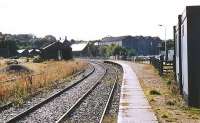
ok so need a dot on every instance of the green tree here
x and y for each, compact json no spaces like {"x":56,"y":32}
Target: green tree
{"x":112,"y":50}
{"x":93,"y":50}
{"x":50,"y":38}
{"x":131,"y":52}
{"x":109,"y":49}
{"x":10,"y":45}
{"x":116,"y":50}
{"x":170,"y":44}
{"x":103,"y":51}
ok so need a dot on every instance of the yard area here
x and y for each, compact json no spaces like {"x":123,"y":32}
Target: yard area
{"x":164,"y":97}
{"x":43,"y":75}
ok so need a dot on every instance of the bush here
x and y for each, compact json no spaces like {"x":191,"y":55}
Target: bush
{"x":14,"y":68}
{"x":169,"y":82}
{"x":37,"y":59}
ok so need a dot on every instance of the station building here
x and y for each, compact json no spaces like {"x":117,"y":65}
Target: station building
{"x":57,"y":51}
{"x":187,"y":47}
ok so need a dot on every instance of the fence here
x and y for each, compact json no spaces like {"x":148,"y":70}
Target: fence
{"x":159,"y":63}
{"x":162,"y":66}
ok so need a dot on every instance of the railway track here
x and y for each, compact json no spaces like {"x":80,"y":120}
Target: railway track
{"x":80,"y":108}
{"x":109,"y":100}
{"x":22,"y":117}
{"x":94,"y":90}
{"x":6,"y":106}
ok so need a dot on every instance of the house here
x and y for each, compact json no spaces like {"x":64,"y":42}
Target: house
{"x":67,"y":50}
{"x":80,"y":49}
{"x":33,"y":52}
{"x":57,"y":51}
{"x":142,"y":45}
{"x":23,"y":52}
{"x":28,"y":52}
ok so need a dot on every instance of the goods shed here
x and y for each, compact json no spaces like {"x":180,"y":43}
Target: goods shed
{"x":80,"y":49}
{"x":57,"y":51}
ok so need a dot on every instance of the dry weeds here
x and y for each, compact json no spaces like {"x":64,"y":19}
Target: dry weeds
{"x":169,"y":106}
{"x":2,"y":62}
{"x":45,"y":75}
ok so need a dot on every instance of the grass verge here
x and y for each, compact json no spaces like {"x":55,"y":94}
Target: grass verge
{"x":46,"y":75}
{"x":169,"y":105}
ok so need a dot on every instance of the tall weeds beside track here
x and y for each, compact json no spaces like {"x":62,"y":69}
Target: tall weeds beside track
{"x":46,"y":75}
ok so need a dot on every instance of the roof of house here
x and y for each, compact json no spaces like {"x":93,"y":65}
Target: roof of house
{"x":49,"y":45}
{"x":79,"y":46}
{"x":21,"y":51}
{"x":37,"y":50}
{"x":61,"y":44}
{"x":108,"y":39}
{"x":30,"y":50}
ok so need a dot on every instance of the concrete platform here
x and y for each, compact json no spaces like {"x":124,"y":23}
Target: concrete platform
{"x":134,"y":107}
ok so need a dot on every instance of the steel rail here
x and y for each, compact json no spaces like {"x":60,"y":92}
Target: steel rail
{"x":35,"y":107}
{"x":109,"y":99}
{"x":6,"y":106}
{"x":68,"y":112}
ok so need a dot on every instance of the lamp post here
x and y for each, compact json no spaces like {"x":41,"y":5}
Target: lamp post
{"x":166,"y":53}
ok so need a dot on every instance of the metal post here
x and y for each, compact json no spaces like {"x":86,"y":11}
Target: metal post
{"x":166,"y":52}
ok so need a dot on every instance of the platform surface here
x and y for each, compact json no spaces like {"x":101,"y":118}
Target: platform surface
{"x":134,"y":107}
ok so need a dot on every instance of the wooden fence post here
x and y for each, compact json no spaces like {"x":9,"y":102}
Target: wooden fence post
{"x":174,"y":66}
{"x":150,"y":60}
{"x":161,"y":65}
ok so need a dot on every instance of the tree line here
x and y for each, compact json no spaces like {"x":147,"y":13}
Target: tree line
{"x":9,"y":44}
{"x":109,"y":50}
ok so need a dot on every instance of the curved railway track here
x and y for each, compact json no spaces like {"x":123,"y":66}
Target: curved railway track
{"x":35,"y":107}
{"x":28,"y":113}
{"x":61,"y":106}
{"x":62,"y":118}
{"x":82,"y":110}
{"x":109,"y":100}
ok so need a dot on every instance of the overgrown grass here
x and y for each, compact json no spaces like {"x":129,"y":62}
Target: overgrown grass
{"x":171,"y":83}
{"x":170,"y":102}
{"x":2,"y":62}
{"x":47,"y":75}
{"x":110,"y":119}
{"x":154,"y":92}
{"x":169,"y":106}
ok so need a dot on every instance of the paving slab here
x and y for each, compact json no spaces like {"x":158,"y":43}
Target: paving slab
{"x":134,"y":107}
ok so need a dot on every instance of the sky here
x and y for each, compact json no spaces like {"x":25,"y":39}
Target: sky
{"x":91,"y":19}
